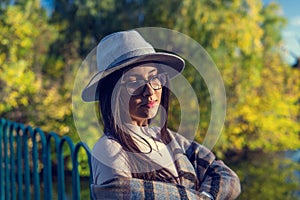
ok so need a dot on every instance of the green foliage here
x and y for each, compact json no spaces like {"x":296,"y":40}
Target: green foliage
{"x":243,"y":37}
{"x":28,"y":92}
{"x":39,"y":57}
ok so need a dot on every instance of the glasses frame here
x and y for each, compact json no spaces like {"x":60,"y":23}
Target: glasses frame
{"x":144,"y":83}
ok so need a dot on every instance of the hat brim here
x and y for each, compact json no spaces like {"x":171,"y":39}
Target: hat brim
{"x":90,"y":93}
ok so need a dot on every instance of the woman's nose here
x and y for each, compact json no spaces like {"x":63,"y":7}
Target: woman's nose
{"x":148,"y":90}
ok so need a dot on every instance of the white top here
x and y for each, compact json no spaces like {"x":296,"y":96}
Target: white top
{"x":109,"y":160}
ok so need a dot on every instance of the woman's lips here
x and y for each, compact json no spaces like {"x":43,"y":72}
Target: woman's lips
{"x":151,"y":104}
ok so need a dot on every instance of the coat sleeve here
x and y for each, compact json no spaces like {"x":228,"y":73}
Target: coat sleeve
{"x":108,"y":161}
{"x":214,"y":176}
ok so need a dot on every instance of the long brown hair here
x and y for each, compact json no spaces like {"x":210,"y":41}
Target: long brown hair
{"x":141,"y":166}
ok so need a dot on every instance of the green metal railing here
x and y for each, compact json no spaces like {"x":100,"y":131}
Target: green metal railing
{"x":26,"y":166}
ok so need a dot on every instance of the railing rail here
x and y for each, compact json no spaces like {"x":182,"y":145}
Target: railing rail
{"x":26,"y":164}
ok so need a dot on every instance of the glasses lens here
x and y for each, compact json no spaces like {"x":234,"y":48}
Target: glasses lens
{"x":135,"y":87}
{"x":158,"y":81}
{"x":155,"y":83}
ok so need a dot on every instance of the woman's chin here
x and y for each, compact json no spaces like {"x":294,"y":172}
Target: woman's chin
{"x":152,"y":112}
{"x":147,"y":113}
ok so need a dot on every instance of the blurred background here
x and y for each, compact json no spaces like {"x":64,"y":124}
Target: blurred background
{"x":255,"y":45}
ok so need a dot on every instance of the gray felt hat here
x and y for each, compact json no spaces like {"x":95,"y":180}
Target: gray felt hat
{"x":121,"y":49}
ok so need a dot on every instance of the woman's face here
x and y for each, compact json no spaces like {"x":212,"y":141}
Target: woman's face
{"x":141,"y":93}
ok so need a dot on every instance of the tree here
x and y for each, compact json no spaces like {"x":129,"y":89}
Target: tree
{"x":39,"y":58}
{"x":242,"y":37}
{"x":28,"y":94}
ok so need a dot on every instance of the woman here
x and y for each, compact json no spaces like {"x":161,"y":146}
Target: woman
{"x":136,"y":159}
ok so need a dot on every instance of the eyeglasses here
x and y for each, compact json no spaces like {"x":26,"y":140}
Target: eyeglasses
{"x":137,"y":87}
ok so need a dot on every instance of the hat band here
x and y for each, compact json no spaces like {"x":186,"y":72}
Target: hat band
{"x":129,"y":55}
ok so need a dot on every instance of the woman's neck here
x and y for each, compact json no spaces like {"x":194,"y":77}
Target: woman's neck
{"x":140,"y":123}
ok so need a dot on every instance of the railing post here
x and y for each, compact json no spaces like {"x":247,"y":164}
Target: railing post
{"x":49,"y":164}
{"x":28,"y":131}
{"x":75,"y":167}
{"x":12,"y":128}
{"x":35,"y":159}
{"x":36,"y":178}
{"x":76,"y":186}
{"x":61,"y":163}
{"x":2,"y":132}
{"x":6,"y":163}
{"x":60,"y":172}
{"x":19,"y":161}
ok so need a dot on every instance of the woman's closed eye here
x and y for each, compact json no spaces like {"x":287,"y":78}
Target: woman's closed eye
{"x":135,"y":83}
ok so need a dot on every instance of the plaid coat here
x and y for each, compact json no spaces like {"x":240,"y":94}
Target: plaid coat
{"x":193,"y":161}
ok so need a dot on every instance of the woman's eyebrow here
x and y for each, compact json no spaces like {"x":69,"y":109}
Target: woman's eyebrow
{"x":154,"y":70}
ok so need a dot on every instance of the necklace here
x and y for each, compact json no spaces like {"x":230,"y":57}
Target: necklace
{"x":145,"y":141}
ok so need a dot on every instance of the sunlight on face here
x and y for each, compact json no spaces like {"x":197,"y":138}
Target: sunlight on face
{"x":142,"y":92}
